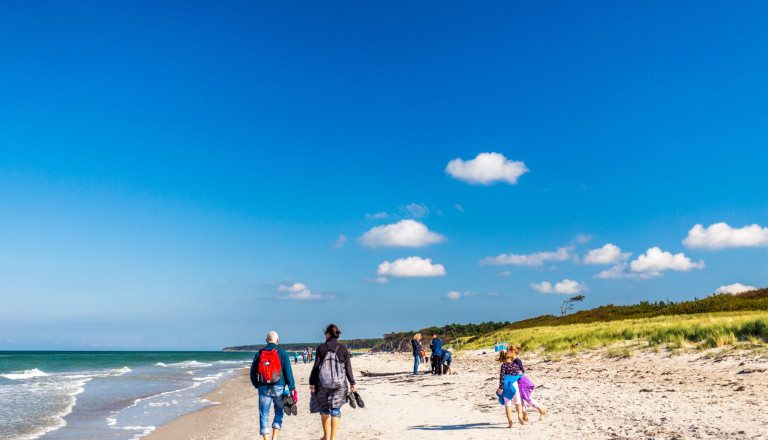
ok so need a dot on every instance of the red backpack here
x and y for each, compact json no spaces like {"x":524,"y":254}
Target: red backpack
{"x":270,"y":368}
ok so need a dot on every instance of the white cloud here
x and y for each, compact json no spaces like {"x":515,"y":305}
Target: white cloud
{"x":459,"y":207}
{"x":408,"y":233}
{"x":377,"y":215}
{"x":456,"y":295}
{"x":567,"y":287}
{"x":621,"y":270}
{"x":453,"y":295}
{"x":583,"y":238}
{"x":536,"y":259}
{"x":608,"y":254}
{"x":340,"y":241}
{"x":735,"y":288}
{"x":415,"y":210}
{"x":411,"y":267}
{"x":299,"y":291}
{"x":486,"y":169}
{"x":504,"y":273}
{"x":656,"y":260}
{"x":721,"y":235}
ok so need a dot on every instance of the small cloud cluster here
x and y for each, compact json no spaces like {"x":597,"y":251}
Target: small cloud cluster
{"x":735,"y":288}
{"x":458,"y":207}
{"x":536,"y":259}
{"x":608,"y":254}
{"x":721,"y":235}
{"x":377,"y":215}
{"x":405,"y":233}
{"x":298,"y":292}
{"x":651,"y":264}
{"x":411,"y":267}
{"x":486,"y":169}
{"x":454,"y":295}
{"x":565,"y":287}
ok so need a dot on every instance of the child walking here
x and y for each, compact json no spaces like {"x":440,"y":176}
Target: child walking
{"x":510,"y":368}
{"x":525,"y":387}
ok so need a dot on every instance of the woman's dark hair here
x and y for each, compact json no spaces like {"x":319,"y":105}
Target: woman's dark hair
{"x":333,"y":331}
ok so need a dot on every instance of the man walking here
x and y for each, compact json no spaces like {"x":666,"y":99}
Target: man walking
{"x":271,"y":374}
{"x":437,"y":355}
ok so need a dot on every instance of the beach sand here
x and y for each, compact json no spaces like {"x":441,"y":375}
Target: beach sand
{"x":648,"y":396}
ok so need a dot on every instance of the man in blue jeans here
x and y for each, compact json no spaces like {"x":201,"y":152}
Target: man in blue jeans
{"x":272,"y":381}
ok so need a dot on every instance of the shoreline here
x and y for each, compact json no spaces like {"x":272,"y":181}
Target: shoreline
{"x":648,"y":395}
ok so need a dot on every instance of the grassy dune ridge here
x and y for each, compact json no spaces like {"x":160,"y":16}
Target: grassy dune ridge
{"x":700,"y":331}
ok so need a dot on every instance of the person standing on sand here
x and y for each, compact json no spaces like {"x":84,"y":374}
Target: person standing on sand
{"x":416,"y":343}
{"x":510,"y":368}
{"x":437,"y":355}
{"x":271,"y":373}
{"x":328,"y":381}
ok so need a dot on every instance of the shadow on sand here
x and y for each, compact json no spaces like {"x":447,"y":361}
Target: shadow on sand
{"x":458,"y":427}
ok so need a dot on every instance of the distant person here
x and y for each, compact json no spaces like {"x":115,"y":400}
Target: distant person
{"x":446,"y":362}
{"x":305,"y":355}
{"x":509,"y":375}
{"x":271,"y":373}
{"x":437,"y":355}
{"x":525,"y":387}
{"x":295,"y":357}
{"x":423,"y":356}
{"x":416,"y":344}
{"x":328,"y":381}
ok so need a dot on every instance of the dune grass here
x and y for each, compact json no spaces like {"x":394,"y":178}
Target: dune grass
{"x":701,"y":331}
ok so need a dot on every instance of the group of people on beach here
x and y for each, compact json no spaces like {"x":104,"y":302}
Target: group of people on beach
{"x":440,"y":359}
{"x":331,"y":383}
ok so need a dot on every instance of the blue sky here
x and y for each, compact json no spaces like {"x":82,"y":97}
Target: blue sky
{"x":178,"y":175}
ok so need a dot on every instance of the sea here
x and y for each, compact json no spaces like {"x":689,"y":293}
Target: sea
{"x":94,"y":395}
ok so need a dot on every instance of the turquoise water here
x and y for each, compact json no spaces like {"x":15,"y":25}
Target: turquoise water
{"x":99,"y":395}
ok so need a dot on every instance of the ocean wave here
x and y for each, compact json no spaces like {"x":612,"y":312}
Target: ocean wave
{"x":189,"y":364}
{"x":212,"y":378}
{"x":145,"y":430}
{"x":26,"y":374}
{"x":160,"y":364}
{"x":40,"y":390}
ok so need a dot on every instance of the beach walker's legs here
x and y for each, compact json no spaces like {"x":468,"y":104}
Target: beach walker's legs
{"x":326,"y":420}
{"x":542,"y":412}
{"x":509,"y":415}
{"x":274,"y":433}
{"x":334,"y":426}
{"x":520,"y":414}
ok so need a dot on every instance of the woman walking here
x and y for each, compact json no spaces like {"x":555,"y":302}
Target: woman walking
{"x":328,"y":381}
{"x":416,"y":343}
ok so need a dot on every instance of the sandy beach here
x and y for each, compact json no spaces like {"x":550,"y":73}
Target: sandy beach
{"x":650,"y":396}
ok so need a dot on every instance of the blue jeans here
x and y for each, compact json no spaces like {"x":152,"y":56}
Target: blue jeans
{"x":334,"y":412}
{"x":267,"y":395}
{"x":415,"y":364}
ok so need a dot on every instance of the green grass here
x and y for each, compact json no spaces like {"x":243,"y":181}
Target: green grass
{"x":676,"y":332}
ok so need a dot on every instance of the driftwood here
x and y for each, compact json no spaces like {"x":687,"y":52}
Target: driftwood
{"x":370,"y":374}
